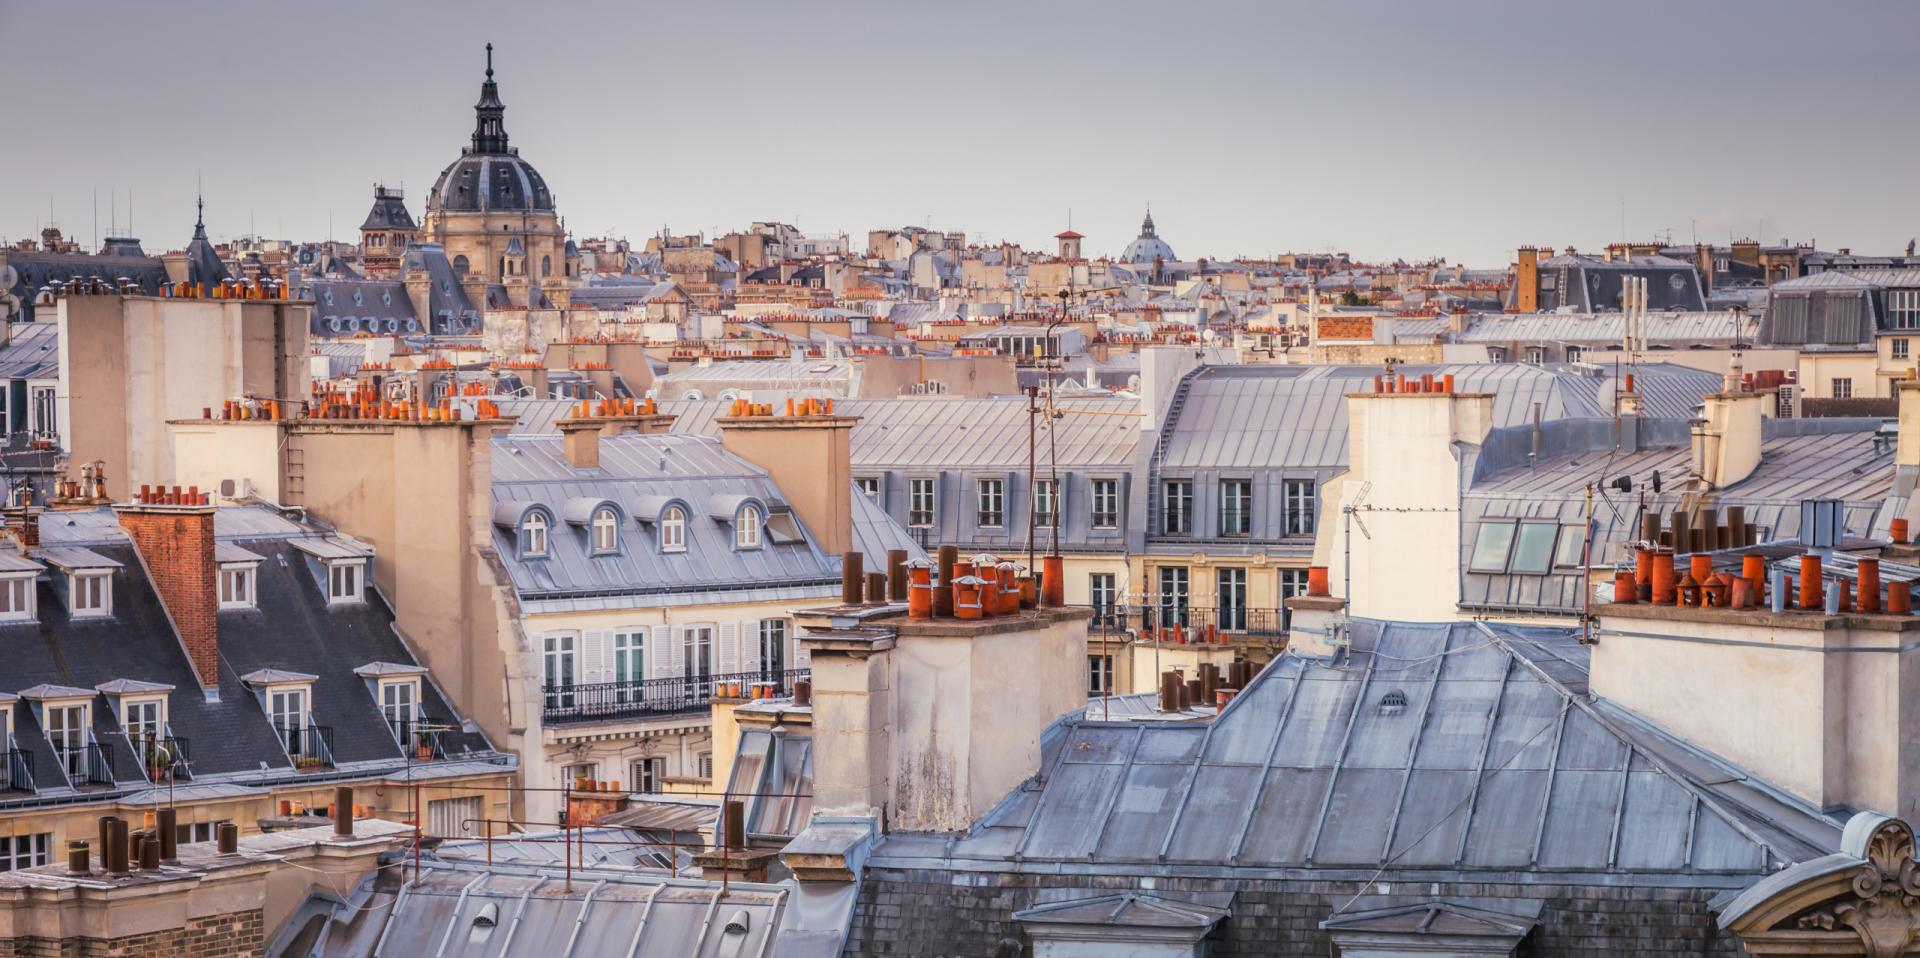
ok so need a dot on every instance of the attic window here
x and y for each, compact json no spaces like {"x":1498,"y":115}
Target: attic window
{"x":673,"y":530}
{"x":17,"y":596}
{"x":237,"y":585}
{"x":606,"y":530}
{"x":533,"y":535}
{"x":746,"y":529}
{"x":91,"y":593}
{"x":1490,"y":546}
{"x":346,"y":581}
{"x":1393,"y":703}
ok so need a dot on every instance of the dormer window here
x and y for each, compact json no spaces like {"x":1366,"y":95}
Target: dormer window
{"x":90,"y":593}
{"x":533,"y":535}
{"x":17,"y":598}
{"x":346,"y":581}
{"x":237,"y":585}
{"x":673,"y":530}
{"x":746,"y":529}
{"x":606,"y":530}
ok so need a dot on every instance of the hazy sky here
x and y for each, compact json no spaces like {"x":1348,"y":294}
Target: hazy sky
{"x":1385,"y":129}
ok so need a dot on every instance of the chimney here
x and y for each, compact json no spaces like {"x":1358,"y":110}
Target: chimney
{"x":582,"y":440}
{"x":175,"y":544}
{"x":1703,"y":260}
{"x":1726,"y":441}
{"x":1403,"y":451}
{"x":1526,"y":281}
{"x":1907,"y":448}
{"x":808,"y":456}
{"x":930,"y":723}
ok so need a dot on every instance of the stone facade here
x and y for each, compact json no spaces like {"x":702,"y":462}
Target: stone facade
{"x":239,"y":934}
{"x":938,"y":913}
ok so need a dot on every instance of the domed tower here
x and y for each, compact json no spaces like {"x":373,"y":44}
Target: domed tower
{"x":1148,"y":247}
{"x":490,"y":200}
{"x":385,"y":234}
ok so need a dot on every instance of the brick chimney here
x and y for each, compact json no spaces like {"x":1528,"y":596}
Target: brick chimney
{"x":582,"y":440}
{"x":175,"y":543}
{"x":809,"y":458}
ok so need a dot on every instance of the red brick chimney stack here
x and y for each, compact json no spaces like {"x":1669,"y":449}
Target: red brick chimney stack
{"x":175,"y":543}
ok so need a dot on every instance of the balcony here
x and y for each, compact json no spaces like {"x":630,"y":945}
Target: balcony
{"x":16,"y":772}
{"x":421,"y":741}
{"x":161,"y":756}
{"x":308,"y":746}
{"x":86,"y":764}
{"x":647,"y":697}
{"x":1233,"y":622}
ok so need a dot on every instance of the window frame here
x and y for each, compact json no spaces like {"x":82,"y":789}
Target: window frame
{"x":27,"y":587}
{"x":1108,"y":489}
{"x":1046,"y":503}
{"x":990,"y":490}
{"x":673,"y":529}
{"x":1301,"y":499}
{"x":1235,"y":512}
{"x":398,"y":723}
{"x":535,"y":535}
{"x":869,"y":486}
{"x":746,"y":528}
{"x":246,"y":574}
{"x":603,"y":528}
{"x":30,"y":850}
{"x":1230,"y":607}
{"x":1168,"y":499}
{"x":1841,"y":387}
{"x":350,"y":572}
{"x":1477,"y":562}
{"x":1527,"y":541}
{"x":1571,"y":540}
{"x":922,"y":490}
{"x":1099,"y":674}
{"x":1175,"y":599}
{"x":94,"y":584}
{"x":559,"y":669}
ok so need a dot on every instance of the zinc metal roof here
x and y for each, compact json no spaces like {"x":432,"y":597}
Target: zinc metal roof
{"x":1445,"y":750}
{"x":1684,"y":328}
{"x":32,"y":351}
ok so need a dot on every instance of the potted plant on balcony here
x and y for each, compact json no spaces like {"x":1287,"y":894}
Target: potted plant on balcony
{"x":159,"y":759}
{"x":307,"y":762}
{"x":423,"y":746}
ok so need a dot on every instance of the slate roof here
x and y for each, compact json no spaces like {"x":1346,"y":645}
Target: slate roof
{"x":641,"y":474}
{"x":292,"y":629}
{"x":1496,"y":764}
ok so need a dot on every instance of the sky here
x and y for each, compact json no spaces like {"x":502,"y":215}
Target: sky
{"x":1383,"y":129}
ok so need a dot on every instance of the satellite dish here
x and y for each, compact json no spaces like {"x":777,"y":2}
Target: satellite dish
{"x":1209,"y":336}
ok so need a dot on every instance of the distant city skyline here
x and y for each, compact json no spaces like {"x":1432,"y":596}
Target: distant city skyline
{"x":1383,"y":130}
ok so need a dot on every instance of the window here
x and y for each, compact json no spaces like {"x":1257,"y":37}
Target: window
{"x":67,"y":733}
{"x":869,"y":487}
{"x":1177,"y":506}
{"x":1232,"y":589}
{"x":346,"y":581}
{"x":572,"y":775}
{"x":696,"y":657}
{"x":1842,"y":387}
{"x":629,"y":656}
{"x":1236,"y":507}
{"x":1490,"y":546}
{"x":992,"y":497}
{"x":920,"y":502}
{"x":1533,"y":550}
{"x":645,"y":774}
{"x":1046,"y":503}
{"x":45,"y":422}
{"x":1099,"y":674}
{"x":1903,"y":309}
{"x":92,"y":594}
{"x":288,"y":709}
{"x":145,"y":723}
{"x":397,"y":702}
{"x":773,"y":649}
{"x":1574,"y":353}
{"x":558,"y":653}
{"x":1106,"y":503}
{"x":673,"y":530}
{"x":1292,"y":582}
{"x":1536,"y":354}
{"x":706,"y":765}
{"x":1173,"y":595}
{"x":746,"y":529}
{"x":1302,"y":503}
{"x":17,"y":599}
{"x":533,"y":534}
{"x":1102,"y":596}
{"x":460,"y":265}
{"x":236,"y":586}
{"x":1900,"y":347}
{"x":24,"y":851}
{"x":1573,"y":541}
{"x":606,"y":530}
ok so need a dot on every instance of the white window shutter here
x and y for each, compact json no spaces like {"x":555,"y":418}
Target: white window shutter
{"x":750,"y":645}
{"x":727,"y":658}
{"x":593,"y":657}
{"x":666,"y":645}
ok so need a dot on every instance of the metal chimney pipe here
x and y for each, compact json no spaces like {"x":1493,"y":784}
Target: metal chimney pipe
{"x":852,"y":578}
{"x":226,"y":838}
{"x":896,"y":575}
{"x":167,"y":824}
{"x":736,"y":824}
{"x":117,"y":846}
{"x":77,"y":853}
{"x":877,"y":587}
{"x":943,"y":584}
{"x":106,"y":839}
{"x":150,"y":852}
{"x":343,"y":811}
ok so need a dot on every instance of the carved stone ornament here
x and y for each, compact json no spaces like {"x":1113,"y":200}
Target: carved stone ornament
{"x":1863,"y":900}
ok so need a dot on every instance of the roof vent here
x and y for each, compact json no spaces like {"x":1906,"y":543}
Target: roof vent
{"x":1393,"y":703}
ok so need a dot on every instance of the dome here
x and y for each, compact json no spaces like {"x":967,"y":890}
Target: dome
{"x":489,"y":175}
{"x":1148,"y":246}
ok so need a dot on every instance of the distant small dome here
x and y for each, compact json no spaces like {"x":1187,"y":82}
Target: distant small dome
{"x":1148,"y":246}
{"x":489,"y":175}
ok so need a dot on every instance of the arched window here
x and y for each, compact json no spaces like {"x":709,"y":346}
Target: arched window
{"x":460,"y":265}
{"x":533,"y":534}
{"x":746,"y":530}
{"x":546,"y":266}
{"x":606,"y":530}
{"x":673,"y":530}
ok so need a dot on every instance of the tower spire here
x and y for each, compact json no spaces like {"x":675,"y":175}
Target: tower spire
{"x":489,"y":127}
